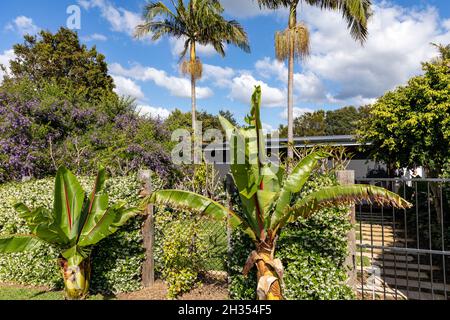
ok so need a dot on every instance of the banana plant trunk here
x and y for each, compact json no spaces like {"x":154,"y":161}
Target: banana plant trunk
{"x":269,"y":283}
{"x":269,"y":272}
{"x":76,"y":279}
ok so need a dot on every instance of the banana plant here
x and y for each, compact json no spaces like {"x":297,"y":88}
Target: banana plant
{"x":267,"y":196}
{"x":77,"y":222}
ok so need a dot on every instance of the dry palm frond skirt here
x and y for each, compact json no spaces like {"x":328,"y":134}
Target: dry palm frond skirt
{"x":192,"y":68}
{"x":298,"y":36}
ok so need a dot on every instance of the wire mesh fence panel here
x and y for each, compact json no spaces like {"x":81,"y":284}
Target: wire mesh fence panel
{"x":190,"y":242}
{"x":405,"y":253}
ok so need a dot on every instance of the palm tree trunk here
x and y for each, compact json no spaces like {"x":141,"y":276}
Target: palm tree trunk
{"x":291,"y":103}
{"x":76,"y":279}
{"x":291,"y":26}
{"x":194,"y":106}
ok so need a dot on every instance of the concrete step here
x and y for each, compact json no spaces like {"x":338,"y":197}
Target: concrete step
{"x":413,"y":285}
{"x":377,"y":228}
{"x":387,"y":257}
{"x":409,"y":266}
{"x":380,"y":294}
{"x":416,"y":295}
{"x":379,"y":238}
{"x":390,"y":294}
{"x":386,"y":243}
{"x":402,"y":274}
{"x":385,"y":232}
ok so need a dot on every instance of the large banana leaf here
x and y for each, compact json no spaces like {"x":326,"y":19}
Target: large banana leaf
{"x":294,"y":183}
{"x":18,"y":243}
{"x":185,"y":200}
{"x":68,"y":203}
{"x":93,"y":203}
{"x":341,"y":195}
{"x":105,"y":223}
{"x":247,"y":150}
{"x":41,"y":224}
{"x":245,"y":176}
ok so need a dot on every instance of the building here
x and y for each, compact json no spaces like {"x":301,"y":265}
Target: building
{"x":363,"y":167}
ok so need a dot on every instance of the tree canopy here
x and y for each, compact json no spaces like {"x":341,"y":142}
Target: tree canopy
{"x":410,"y":126}
{"x":61,"y":59}
{"x":327,"y":123}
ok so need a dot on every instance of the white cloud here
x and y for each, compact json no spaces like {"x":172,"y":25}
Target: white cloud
{"x":22,"y":25}
{"x":95,"y":37}
{"x":244,"y":9}
{"x":298,"y":112}
{"x":5,"y":58}
{"x":243,"y":86}
{"x":220,"y":76}
{"x":120,"y":19}
{"x":177,"y":47}
{"x":307,"y":86}
{"x":179,"y":87}
{"x":446,"y":24}
{"x":267,"y":128}
{"x":153,"y":112}
{"x":399,"y":39}
{"x":127,"y":87}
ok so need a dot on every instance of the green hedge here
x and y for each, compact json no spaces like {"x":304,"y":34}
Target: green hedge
{"x":116,"y":261}
{"x":313,"y":252}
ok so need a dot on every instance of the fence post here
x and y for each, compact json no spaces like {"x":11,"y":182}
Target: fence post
{"x":148,"y":232}
{"x":346,"y":177}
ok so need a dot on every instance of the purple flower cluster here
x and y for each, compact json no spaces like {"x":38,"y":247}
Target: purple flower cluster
{"x":36,"y":136}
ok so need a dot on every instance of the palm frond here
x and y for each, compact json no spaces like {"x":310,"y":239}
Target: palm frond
{"x":154,"y":9}
{"x":274,"y":4}
{"x":355,"y":12}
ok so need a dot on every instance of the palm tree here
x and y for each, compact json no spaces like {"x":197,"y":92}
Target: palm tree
{"x":200,"y":22}
{"x":294,"y":42}
{"x":267,"y":195}
{"x":77,"y":222}
{"x":444,"y":53}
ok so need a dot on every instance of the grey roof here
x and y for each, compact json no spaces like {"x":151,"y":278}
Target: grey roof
{"x":300,"y":142}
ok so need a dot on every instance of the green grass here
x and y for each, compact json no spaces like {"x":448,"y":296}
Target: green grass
{"x":366,"y":261}
{"x":18,"y":293}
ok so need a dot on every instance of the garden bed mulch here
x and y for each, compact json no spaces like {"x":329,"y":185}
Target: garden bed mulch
{"x":207,"y":291}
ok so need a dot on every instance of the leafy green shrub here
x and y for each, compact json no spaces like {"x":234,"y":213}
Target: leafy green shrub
{"x":186,"y":244}
{"x":116,"y":261}
{"x":181,"y":251}
{"x":312,"y":250}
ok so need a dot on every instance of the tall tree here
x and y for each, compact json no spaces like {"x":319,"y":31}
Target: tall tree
{"x":294,"y":41}
{"x":410,"y":126}
{"x":198,"y":22}
{"x":60,"y":59}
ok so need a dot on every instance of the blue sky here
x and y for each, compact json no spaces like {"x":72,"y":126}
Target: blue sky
{"x":339,"y":72}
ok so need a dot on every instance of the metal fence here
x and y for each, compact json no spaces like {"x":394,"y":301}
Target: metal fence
{"x":200,"y":242}
{"x":405,"y":253}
